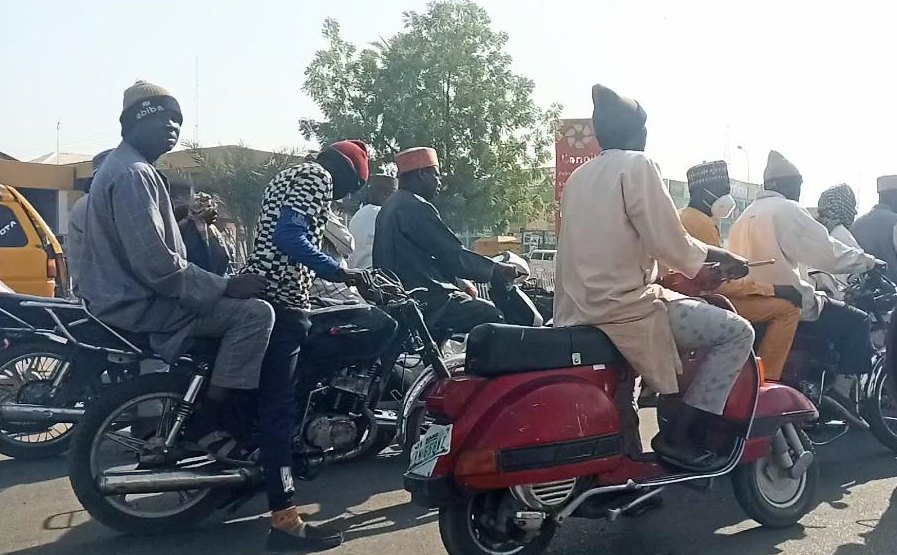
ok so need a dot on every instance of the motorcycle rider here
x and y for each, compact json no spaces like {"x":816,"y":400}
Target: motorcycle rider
{"x":836,"y":210}
{"x":135,"y":274}
{"x":876,"y":232}
{"x":287,"y":254}
{"x":412,"y":240}
{"x":710,"y":200}
{"x":618,"y":221}
{"x":776,"y":227}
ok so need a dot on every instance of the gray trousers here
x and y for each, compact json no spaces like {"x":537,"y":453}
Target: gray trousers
{"x":244,"y":326}
{"x":727,"y":339}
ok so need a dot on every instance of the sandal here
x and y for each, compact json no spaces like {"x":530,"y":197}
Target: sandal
{"x":223,"y":447}
{"x":689,"y":458}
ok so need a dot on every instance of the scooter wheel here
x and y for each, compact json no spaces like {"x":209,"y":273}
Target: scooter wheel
{"x":465,"y":529}
{"x":770,"y":496}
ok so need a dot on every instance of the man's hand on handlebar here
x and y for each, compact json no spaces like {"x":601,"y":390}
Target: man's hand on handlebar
{"x":507,"y":272}
{"x":789,"y":293}
{"x":731,"y":265}
{"x":351,"y":277}
{"x":880,"y":265}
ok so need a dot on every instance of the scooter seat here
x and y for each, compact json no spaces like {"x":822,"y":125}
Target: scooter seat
{"x":497,"y":349}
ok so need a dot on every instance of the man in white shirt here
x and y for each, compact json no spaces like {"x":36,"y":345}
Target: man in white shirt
{"x":364,"y":221}
{"x":776,"y":227}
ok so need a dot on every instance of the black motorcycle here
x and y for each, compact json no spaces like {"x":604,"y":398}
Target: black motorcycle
{"x":846,"y":400}
{"x":345,"y":363}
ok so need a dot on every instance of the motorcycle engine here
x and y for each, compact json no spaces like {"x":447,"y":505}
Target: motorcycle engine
{"x":328,"y":432}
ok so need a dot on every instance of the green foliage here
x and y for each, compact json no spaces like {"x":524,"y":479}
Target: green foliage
{"x":444,"y":81}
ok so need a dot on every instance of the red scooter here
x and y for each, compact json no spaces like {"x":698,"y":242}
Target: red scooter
{"x":530,"y":436}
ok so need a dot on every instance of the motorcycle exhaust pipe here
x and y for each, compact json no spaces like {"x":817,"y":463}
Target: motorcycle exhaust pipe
{"x":842,"y":411}
{"x":30,"y":414}
{"x":159,"y":481}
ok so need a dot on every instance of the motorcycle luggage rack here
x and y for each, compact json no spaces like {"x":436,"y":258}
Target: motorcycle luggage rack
{"x":49,"y":308}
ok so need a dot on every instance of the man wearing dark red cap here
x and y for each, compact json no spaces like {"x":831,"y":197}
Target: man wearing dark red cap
{"x":412,"y":240}
{"x":287,"y":252}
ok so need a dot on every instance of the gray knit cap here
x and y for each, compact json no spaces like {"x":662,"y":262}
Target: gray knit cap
{"x":140,"y":90}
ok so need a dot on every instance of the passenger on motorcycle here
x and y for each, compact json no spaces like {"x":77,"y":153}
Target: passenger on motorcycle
{"x":412,"y":240}
{"x":77,"y":219}
{"x":618,"y":221}
{"x":287,"y":254}
{"x":135,"y":274}
{"x":836,"y":210}
{"x":776,"y":227}
{"x":709,"y":201}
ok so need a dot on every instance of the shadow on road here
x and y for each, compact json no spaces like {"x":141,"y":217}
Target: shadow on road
{"x":343,"y":486}
{"x":24,"y":472}
{"x":366,"y":500}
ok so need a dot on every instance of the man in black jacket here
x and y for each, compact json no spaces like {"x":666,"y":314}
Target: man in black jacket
{"x":412,"y":240}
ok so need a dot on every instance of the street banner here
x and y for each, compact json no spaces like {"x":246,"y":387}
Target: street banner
{"x":574,"y":145}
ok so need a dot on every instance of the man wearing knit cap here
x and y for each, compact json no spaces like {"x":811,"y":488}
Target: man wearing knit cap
{"x":776,"y":227}
{"x":135,"y":274}
{"x":288,"y":254}
{"x":618,"y":222}
{"x":776,"y":306}
{"x":412,"y":240}
{"x":876,"y":232}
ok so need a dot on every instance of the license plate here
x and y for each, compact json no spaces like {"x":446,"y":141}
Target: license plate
{"x":437,"y":441}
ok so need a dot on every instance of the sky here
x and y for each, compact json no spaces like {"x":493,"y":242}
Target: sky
{"x":812,"y":79}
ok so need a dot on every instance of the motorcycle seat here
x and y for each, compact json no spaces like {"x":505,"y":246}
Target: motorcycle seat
{"x":498,"y":349}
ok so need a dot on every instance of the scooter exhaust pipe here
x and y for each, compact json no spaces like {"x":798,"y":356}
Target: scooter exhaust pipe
{"x":29,"y":414}
{"x":158,"y":481}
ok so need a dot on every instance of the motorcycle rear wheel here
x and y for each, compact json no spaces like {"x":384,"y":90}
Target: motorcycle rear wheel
{"x":22,"y":363}
{"x":771,"y":498}
{"x":99,"y":422}
{"x":464,"y":531}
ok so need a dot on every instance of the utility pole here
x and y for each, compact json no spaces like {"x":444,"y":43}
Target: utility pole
{"x":57,"y":142}
{"x":196,"y":105}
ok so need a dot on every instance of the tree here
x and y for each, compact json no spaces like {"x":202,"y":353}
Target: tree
{"x":239,"y":176}
{"x":445,"y":81}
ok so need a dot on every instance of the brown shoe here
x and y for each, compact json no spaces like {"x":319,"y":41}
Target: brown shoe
{"x":289,"y":532}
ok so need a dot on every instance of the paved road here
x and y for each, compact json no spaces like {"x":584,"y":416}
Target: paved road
{"x":39,"y":515}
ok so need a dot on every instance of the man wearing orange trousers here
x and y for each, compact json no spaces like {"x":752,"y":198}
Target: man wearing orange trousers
{"x":775,"y":306}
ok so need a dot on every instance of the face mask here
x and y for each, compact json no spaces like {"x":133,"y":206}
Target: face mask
{"x":723,"y":207}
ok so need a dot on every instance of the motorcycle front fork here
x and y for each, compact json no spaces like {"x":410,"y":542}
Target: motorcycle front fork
{"x":788,"y":451}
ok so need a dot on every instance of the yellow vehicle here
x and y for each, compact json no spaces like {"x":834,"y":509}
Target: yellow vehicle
{"x":31,"y":259}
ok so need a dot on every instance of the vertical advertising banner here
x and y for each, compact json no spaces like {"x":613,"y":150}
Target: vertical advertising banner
{"x":575,"y":144}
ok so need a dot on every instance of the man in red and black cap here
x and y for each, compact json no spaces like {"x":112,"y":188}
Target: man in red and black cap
{"x":287,"y":252}
{"x":412,"y":240}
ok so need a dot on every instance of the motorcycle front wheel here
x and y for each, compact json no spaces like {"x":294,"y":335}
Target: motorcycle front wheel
{"x":472,"y":528}
{"x":115,"y":430}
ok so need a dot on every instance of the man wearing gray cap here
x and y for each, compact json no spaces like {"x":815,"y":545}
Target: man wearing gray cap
{"x":618,"y":221}
{"x":876,"y":231}
{"x":776,"y":227}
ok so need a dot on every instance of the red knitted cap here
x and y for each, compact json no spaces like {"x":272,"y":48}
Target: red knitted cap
{"x":357,"y":153}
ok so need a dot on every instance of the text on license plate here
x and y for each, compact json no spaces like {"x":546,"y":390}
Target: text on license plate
{"x":437,"y":441}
